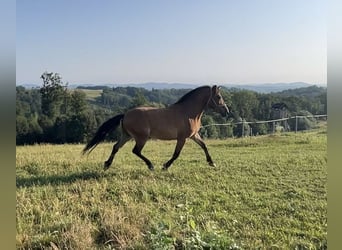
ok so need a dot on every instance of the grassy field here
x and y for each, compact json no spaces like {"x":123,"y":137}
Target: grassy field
{"x":91,"y":94}
{"x":267,"y":192}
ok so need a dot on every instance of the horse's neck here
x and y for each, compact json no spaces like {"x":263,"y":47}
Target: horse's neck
{"x":195,"y":108}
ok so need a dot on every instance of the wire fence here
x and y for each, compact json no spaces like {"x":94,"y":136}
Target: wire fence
{"x":275,"y":123}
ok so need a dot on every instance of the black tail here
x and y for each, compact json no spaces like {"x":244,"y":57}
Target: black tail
{"x":102,"y":131}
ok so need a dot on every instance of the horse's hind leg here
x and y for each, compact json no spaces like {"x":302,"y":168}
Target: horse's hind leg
{"x":197,"y":138}
{"x":137,"y":151}
{"x":124,"y":138}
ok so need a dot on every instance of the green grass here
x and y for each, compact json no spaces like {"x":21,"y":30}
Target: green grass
{"x":267,"y":192}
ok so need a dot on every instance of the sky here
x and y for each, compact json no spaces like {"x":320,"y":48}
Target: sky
{"x":193,"y":41}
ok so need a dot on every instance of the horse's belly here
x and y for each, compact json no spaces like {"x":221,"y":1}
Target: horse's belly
{"x":163,"y":133}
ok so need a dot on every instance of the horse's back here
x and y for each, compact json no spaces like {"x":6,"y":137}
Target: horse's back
{"x":151,"y":122}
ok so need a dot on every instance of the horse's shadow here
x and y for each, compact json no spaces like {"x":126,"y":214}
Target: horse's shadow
{"x":56,"y":180}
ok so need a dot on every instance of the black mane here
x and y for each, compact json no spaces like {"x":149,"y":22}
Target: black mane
{"x":189,"y":94}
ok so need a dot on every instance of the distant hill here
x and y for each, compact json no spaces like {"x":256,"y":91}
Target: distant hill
{"x":152,"y":85}
{"x":30,"y":85}
{"x":269,"y":87}
{"x":258,"y":87}
{"x":310,"y":92}
{"x":147,"y":85}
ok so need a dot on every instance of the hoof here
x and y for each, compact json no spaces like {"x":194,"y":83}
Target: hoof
{"x":106,"y":165}
{"x":212,"y":164}
{"x":151,"y":168}
{"x":164,"y":168}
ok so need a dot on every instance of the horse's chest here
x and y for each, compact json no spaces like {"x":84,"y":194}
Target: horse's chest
{"x":194,"y":126}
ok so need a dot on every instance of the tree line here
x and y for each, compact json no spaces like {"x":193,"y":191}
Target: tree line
{"x":54,"y":113}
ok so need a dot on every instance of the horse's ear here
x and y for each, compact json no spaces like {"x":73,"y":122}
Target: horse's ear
{"x":216,"y":88}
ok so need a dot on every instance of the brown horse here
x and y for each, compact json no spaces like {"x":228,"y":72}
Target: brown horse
{"x":179,"y":121}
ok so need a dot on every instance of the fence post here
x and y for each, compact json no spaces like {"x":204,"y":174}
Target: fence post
{"x":296,"y":124}
{"x":243,"y":129}
{"x":273,"y":127}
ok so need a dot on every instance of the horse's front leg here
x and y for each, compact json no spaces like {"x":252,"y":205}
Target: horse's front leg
{"x":197,"y":138}
{"x":178,"y":149}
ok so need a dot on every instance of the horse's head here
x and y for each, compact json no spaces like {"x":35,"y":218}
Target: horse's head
{"x":216,"y":101}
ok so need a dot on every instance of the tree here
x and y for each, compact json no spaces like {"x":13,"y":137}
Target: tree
{"x":245,"y":104}
{"x":139,"y":100}
{"x":52,"y":93}
{"x":242,"y":128}
{"x":303,"y":123}
{"x":208,"y":131}
{"x":22,"y":129}
{"x":78,"y":102}
{"x":266,"y":101}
